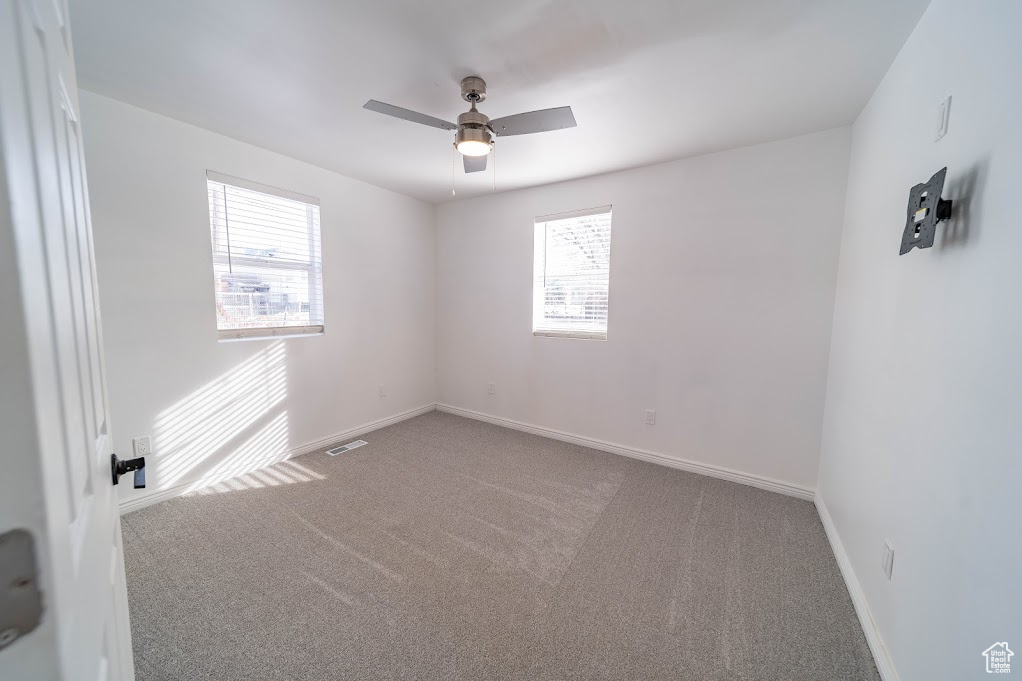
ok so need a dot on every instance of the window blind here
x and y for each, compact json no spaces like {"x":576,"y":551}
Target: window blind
{"x":571,"y":266}
{"x":267,"y":265}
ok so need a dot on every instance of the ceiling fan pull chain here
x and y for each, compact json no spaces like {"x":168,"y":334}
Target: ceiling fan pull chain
{"x":452,"y":170}
{"x":494,"y":167}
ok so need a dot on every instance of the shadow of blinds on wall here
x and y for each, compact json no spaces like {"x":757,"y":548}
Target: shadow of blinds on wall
{"x":267,"y":263}
{"x":571,"y":269}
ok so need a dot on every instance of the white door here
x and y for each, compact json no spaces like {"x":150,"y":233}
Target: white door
{"x":55,"y":482}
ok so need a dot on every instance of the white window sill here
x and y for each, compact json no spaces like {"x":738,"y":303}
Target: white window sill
{"x":231,"y":335}
{"x":578,"y":335}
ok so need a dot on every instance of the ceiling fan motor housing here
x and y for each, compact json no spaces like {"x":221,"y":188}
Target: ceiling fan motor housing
{"x":473,"y":126}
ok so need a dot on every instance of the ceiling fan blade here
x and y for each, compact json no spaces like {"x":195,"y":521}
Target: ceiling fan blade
{"x":533,"y":121}
{"x":474,"y":164}
{"x":408,"y":115}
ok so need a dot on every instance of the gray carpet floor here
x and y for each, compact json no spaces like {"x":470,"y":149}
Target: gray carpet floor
{"x":453,"y":549}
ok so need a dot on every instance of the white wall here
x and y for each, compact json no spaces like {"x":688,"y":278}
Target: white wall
{"x":169,"y":377}
{"x":721,"y":299}
{"x":923,"y":430}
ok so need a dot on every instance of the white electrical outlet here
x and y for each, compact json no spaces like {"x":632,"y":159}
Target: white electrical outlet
{"x":650,"y":417}
{"x":943,"y":117}
{"x":383,"y":390}
{"x":491,"y":388}
{"x":887,"y":559}
{"x":141,"y":446}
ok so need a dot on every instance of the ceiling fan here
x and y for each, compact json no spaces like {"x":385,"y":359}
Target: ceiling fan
{"x":475,"y":131}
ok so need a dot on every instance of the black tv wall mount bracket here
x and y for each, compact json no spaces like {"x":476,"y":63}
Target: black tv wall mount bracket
{"x":925,"y":210}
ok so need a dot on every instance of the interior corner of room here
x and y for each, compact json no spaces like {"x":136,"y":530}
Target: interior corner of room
{"x":651,"y":394}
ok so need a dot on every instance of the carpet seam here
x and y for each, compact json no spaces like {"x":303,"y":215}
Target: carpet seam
{"x":589,"y":534}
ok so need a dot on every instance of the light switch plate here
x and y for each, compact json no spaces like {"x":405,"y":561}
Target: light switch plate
{"x":943,"y":117}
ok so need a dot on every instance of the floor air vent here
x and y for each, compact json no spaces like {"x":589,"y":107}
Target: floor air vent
{"x":346,"y":448}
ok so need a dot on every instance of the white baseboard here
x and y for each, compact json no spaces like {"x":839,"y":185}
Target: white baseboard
{"x":720,"y":472}
{"x":882,"y":658}
{"x":135,"y":503}
{"x":361,"y":430}
{"x":150,"y":498}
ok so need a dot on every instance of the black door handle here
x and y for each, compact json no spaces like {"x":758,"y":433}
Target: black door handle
{"x":119,"y":468}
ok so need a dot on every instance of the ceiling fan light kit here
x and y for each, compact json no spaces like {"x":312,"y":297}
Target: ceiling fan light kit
{"x":472,"y":147}
{"x":474,"y":132}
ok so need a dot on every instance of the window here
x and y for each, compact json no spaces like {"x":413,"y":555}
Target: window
{"x":267,"y":267}
{"x":571,"y":266}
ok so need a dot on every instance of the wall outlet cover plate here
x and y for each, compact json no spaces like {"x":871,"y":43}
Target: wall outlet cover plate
{"x":887,"y":559}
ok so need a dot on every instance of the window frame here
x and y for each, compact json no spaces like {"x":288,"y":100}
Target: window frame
{"x":538,"y":293}
{"x":313,"y":268}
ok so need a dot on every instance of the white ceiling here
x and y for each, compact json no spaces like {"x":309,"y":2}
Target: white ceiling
{"x":648,"y":80}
